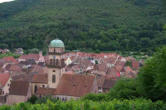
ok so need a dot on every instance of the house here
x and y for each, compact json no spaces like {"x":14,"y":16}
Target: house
{"x":45,"y":92}
{"x":5,"y":51}
{"x":14,"y":69}
{"x":39,"y":81}
{"x":19,"y":51}
{"x":73,"y":86}
{"x":19,"y":91}
{"x":23,"y":77}
{"x":5,"y":81}
{"x":100,"y":82}
{"x":68,"y":61}
{"x":37,"y":69}
{"x":10,"y":60}
{"x":2,"y":100}
{"x":108,"y":84}
{"x":30,"y":57}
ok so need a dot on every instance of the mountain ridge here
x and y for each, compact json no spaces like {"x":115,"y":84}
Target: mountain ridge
{"x":101,"y":25}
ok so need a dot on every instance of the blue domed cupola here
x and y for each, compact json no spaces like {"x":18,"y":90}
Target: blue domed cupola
{"x":57,"y":44}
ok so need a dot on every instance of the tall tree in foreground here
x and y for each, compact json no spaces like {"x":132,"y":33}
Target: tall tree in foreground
{"x":152,"y":77}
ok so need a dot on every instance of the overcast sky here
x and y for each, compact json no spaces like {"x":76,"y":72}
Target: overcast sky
{"x":1,"y":1}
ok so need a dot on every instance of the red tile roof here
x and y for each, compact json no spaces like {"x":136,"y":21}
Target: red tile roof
{"x":40,"y":78}
{"x":10,"y":59}
{"x":15,"y":67}
{"x":109,"y":83}
{"x":38,"y":69}
{"x":19,"y":88}
{"x":45,"y":91}
{"x":135,"y":64}
{"x":4,"y":78}
{"x":75,"y":85}
{"x":30,"y":56}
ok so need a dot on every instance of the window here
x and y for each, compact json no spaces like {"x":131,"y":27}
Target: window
{"x":54,"y":57}
{"x":35,"y":90}
{"x":53,"y":78}
{"x":63,"y":99}
{"x":53,"y":70}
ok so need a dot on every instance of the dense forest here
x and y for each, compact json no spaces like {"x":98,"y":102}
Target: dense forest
{"x":88,"y":25}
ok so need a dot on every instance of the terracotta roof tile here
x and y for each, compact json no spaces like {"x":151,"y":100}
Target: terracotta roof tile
{"x":10,"y":59}
{"x":19,"y":88}
{"x":45,"y":91}
{"x":109,"y":83}
{"x":15,"y":67}
{"x":4,"y":78}
{"x":30,"y":56}
{"x":75,"y":85}
{"x":40,"y":78}
{"x":38,"y":69}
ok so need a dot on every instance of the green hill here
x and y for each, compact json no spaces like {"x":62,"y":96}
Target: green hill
{"x":105,"y":25}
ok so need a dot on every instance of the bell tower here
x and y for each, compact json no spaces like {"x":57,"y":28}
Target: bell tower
{"x":55,"y":62}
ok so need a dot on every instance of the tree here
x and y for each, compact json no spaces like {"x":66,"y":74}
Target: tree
{"x":152,"y":76}
{"x":124,"y":89}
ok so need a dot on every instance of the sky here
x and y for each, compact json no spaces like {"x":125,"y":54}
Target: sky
{"x":1,"y":1}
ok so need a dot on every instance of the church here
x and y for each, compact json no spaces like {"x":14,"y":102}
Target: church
{"x":56,"y":82}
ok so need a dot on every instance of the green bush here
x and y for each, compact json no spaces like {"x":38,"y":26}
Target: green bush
{"x":124,"y":89}
{"x":137,"y":104}
{"x":152,"y":77}
{"x":9,"y":54}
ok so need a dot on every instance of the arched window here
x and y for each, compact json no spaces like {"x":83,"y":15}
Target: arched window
{"x":53,"y":78}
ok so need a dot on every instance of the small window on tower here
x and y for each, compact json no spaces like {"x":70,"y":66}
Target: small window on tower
{"x":53,"y":78}
{"x":53,"y":70}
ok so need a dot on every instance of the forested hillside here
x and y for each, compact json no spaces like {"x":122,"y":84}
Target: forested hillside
{"x":98,"y":25}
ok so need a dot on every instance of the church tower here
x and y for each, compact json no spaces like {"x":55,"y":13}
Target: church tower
{"x":55,"y":62}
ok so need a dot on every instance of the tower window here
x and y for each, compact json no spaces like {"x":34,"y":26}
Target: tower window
{"x":53,"y":78}
{"x":53,"y":70}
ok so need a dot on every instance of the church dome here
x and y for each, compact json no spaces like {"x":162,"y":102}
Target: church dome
{"x":57,"y":43}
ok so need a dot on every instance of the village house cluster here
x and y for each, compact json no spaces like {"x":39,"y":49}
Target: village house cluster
{"x":61,"y":75}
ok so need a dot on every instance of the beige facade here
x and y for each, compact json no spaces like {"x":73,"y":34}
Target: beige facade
{"x":94,"y":87}
{"x":14,"y":99}
{"x":54,"y":72}
{"x":66,"y":98}
{"x":36,"y":86}
{"x":5,"y":89}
